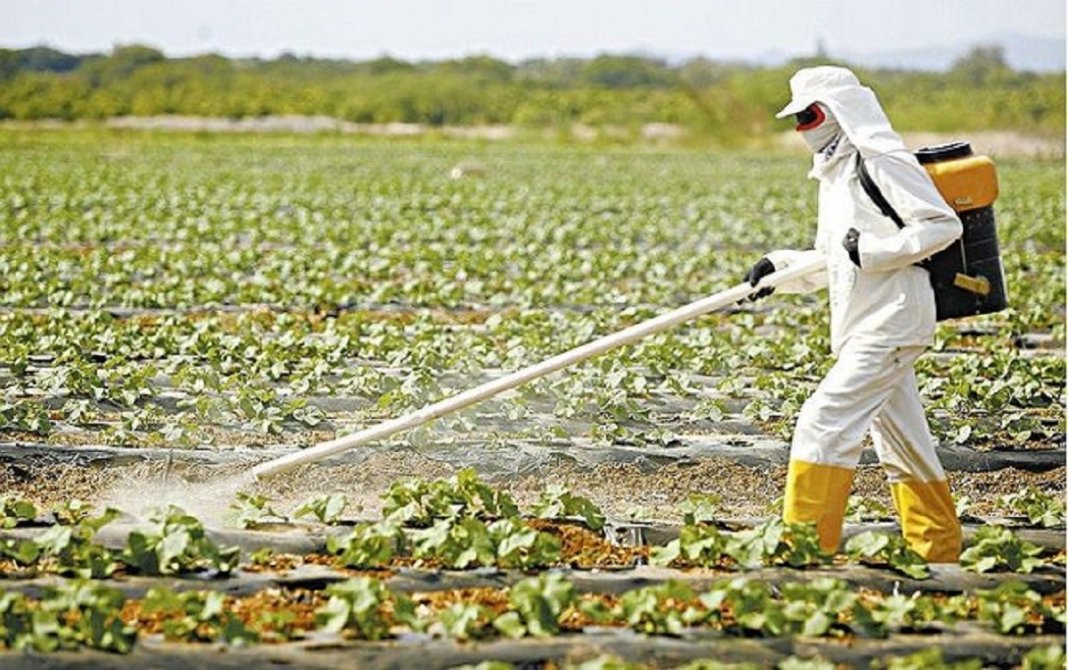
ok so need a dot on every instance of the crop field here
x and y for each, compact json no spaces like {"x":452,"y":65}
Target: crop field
{"x":176,"y":308}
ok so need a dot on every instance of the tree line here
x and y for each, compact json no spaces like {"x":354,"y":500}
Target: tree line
{"x":719,"y":99}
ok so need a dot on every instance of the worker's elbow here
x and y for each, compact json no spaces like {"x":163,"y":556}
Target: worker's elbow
{"x":949,"y":231}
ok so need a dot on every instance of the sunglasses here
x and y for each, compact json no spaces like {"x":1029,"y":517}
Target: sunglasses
{"x":810,"y":117}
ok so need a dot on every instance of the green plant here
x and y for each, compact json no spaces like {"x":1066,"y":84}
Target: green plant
{"x":75,"y":614}
{"x":747,"y":602}
{"x":776,"y":542}
{"x":261,"y":556}
{"x":896,"y":612}
{"x":700,"y":508}
{"x":1040,"y":508}
{"x":1044,"y":658}
{"x":465,"y":621}
{"x":1013,"y":608}
{"x":456,"y":542}
{"x":535,"y":606}
{"x":14,"y":511}
{"x":70,"y":544}
{"x":178,"y":544}
{"x":17,"y":623}
{"x":364,"y":608}
{"x":556,"y":502}
{"x":665,"y":609}
{"x":326,"y":509}
{"x":196,"y":616}
{"x":860,"y":509}
{"x":252,"y":510}
{"x":23,"y":552}
{"x":772,"y":542}
{"x":467,"y":541}
{"x":696,"y":545}
{"x":369,"y":545}
{"x":25,"y":415}
{"x":522,"y":547}
{"x":418,"y":503}
{"x":277,"y":626}
{"x":962,"y":505}
{"x":811,"y":609}
{"x":998,"y":547}
{"x":885,"y":549}
{"x":266,"y":412}
{"x":89,"y":616}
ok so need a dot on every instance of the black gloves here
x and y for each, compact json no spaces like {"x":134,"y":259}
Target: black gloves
{"x":762,"y":268}
{"x":851,"y":242}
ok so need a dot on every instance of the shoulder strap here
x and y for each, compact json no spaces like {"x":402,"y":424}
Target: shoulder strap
{"x":872,"y":189}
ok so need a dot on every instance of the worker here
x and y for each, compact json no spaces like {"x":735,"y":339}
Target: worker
{"x":882,"y":317}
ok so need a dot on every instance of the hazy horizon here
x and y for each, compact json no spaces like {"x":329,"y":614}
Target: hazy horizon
{"x":426,"y":30}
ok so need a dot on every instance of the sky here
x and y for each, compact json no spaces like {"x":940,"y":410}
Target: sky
{"x":517,"y":29}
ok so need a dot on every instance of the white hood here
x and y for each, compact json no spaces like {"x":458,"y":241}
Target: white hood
{"x":854,"y":106}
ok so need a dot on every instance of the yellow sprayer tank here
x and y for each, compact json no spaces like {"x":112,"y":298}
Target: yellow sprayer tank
{"x":967,"y":276}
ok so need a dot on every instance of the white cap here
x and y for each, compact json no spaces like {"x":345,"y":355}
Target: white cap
{"x":812,"y":84}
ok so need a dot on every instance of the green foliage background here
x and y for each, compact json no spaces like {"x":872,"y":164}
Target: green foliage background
{"x":711,"y":99}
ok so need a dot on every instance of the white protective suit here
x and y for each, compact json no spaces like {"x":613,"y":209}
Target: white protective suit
{"x":882,"y":319}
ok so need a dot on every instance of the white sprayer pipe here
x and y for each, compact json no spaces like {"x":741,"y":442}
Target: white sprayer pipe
{"x":520,"y":377}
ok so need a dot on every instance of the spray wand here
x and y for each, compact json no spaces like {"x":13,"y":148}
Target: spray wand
{"x":510,"y":381}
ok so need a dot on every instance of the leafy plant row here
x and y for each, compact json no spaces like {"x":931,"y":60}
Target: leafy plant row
{"x":85,"y":614}
{"x":462,"y":522}
{"x":177,"y":544}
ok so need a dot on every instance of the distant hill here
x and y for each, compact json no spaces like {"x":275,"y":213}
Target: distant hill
{"x":1022,"y":53}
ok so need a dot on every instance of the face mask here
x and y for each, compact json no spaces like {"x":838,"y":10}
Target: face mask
{"x":817,"y":127}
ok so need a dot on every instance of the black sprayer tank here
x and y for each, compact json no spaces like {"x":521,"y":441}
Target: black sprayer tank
{"x":967,"y":276}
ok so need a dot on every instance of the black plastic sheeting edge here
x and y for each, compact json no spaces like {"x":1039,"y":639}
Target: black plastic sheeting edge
{"x":433,"y":654}
{"x":945,"y":578}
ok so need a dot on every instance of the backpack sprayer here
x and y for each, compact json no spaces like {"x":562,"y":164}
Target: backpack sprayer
{"x":497,"y":386}
{"x":966,"y":276}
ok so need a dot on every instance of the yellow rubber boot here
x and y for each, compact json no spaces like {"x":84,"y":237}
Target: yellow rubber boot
{"x":928,"y":519}
{"x":817,"y":493}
